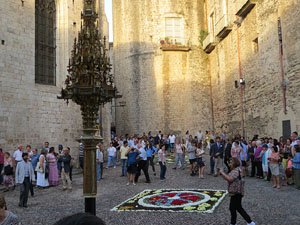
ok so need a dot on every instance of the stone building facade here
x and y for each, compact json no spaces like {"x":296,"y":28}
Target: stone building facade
{"x":196,"y":83}
{"x":159,"y":66}
{"x":30,"y":113}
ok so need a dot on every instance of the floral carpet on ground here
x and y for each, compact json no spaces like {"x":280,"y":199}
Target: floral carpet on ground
{"x":174,"y":200}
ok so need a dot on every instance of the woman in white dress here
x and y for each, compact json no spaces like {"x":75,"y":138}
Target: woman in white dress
{"x":42,"y":181}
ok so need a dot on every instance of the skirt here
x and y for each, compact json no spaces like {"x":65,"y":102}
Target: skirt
{"x":274,"y":169}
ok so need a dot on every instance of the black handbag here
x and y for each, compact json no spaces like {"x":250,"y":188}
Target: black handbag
{"x":8,"y":170}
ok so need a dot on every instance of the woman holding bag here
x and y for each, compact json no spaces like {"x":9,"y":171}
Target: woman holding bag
{"x":236,"y":191}
{"x":42,"y":181}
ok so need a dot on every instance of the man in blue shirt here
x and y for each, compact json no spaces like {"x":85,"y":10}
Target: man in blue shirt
{"x":151,"y":151}
{"x":142,"y":165}
{"x":244,"y":160}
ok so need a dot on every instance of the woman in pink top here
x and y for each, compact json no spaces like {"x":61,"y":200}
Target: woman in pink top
{"x":236,"y":152}
{"x":274,"y":166}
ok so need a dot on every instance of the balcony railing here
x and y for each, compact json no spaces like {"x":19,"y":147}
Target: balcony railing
{"x":223,"y":27}
{"x":243,"y":7}
{"x":174,"y":44}
{"x":209,"y":43}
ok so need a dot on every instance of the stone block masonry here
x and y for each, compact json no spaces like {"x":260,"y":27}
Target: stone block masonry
{"x":30,"y":113}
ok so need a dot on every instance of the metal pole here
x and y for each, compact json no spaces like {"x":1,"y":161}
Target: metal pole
{"x":241,"y":88}
{"x":281,"y":65}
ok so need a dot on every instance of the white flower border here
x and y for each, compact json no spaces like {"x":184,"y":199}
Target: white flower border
{"x":170,"y":210}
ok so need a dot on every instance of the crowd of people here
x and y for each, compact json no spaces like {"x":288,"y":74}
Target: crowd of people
{"x":28,"y":168}
{"x":264,"y":158}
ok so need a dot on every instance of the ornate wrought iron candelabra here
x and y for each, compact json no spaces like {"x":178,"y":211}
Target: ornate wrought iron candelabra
{"x":89,"y":84}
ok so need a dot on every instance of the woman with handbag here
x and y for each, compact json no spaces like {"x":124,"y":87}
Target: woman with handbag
{"x":236,"y":191}
{"x":42,"y":179}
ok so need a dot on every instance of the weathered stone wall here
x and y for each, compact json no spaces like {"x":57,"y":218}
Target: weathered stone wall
{"x":30,"y":113}
{"x":163,"y":90}
{"x":262,"y":94}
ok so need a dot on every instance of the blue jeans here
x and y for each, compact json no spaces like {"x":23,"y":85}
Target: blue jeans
{"x":163,"y":169}
{"x":98,"y":166}
{"x":113,"y":159}
{"x":124,"y":166}
{"x":179,"y":158}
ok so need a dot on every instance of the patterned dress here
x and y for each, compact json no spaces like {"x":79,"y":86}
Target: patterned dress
{"x":53,"y":171}
{"x":8,"y":179}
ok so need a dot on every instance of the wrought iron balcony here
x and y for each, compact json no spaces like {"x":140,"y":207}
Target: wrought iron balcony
{"x":209,"y":43}
{"x":243,"y":7}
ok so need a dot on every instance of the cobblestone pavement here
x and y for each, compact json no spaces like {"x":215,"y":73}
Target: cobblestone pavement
{"x":263,"y":203}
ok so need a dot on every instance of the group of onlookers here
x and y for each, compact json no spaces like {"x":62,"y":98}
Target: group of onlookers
{"x":268,"y":158}
{"x":29,"y":168}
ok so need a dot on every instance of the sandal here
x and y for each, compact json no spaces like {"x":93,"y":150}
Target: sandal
{"x":274,"y":186}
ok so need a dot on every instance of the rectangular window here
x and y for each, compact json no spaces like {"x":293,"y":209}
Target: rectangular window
{"x":173,"y":30}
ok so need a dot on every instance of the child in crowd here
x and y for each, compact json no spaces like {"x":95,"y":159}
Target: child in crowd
{"x":200,"y":161}
{"x":289,"y":169}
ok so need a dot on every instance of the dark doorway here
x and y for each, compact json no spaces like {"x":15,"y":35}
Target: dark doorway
{"x":286,"y":128}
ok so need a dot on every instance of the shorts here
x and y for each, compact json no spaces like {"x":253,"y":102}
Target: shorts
{"x":132,"y":169}
{"x":192,"y":161}
{"x":244,"y":164}
{"x":200,"y":162}
{"x":172,"y":145}
{"x":274,"y":169}
{"x":265,"y":167}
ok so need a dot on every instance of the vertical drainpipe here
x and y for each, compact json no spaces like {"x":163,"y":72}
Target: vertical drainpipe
{"x":211,"y":98}
{"x":281,"y":65}
{"x":241,"y":88}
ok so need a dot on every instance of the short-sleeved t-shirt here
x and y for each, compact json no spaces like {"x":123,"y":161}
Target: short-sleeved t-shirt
{"x":235,"y":173}
{"x":132,"y":157}
{"x":111,"y":151}
{"x":161,"y":156}
{"x":123,"y":151}
{"x":191,"y":152}
{"x":18,"y":155}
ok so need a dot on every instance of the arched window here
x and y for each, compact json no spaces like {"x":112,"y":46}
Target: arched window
{"x":45,"y":43}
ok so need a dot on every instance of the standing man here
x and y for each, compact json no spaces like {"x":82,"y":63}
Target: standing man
{"x":251,"y":152}
{"x":227,"y":154}
{"x":17,"y":157}
{"x":1,"y":164}
{"x":65,"y":160}
{"x":24,"y":176}
{"x":46,"y":146}
{"x":217,"y":153}
{"x":191,"y":149}
{"x":124,"y":149}
{"x":99,"y":161}
{"x":172,"y":138}
{"x":212,"y":161}
{"x":34,"y":160}
{"x":142,"y":165}
{"x":199,"y":135}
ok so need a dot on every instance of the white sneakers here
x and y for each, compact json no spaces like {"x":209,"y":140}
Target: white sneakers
{"x":252,"y":223}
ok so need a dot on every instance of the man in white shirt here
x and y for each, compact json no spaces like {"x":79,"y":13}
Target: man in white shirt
{"x":199,"y":135}
{"x":17,"y":157}
{"x":112,"y":153}
{"x":172,"y":138}
{"x":294,"y":137}
{"x":142,"y":165}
